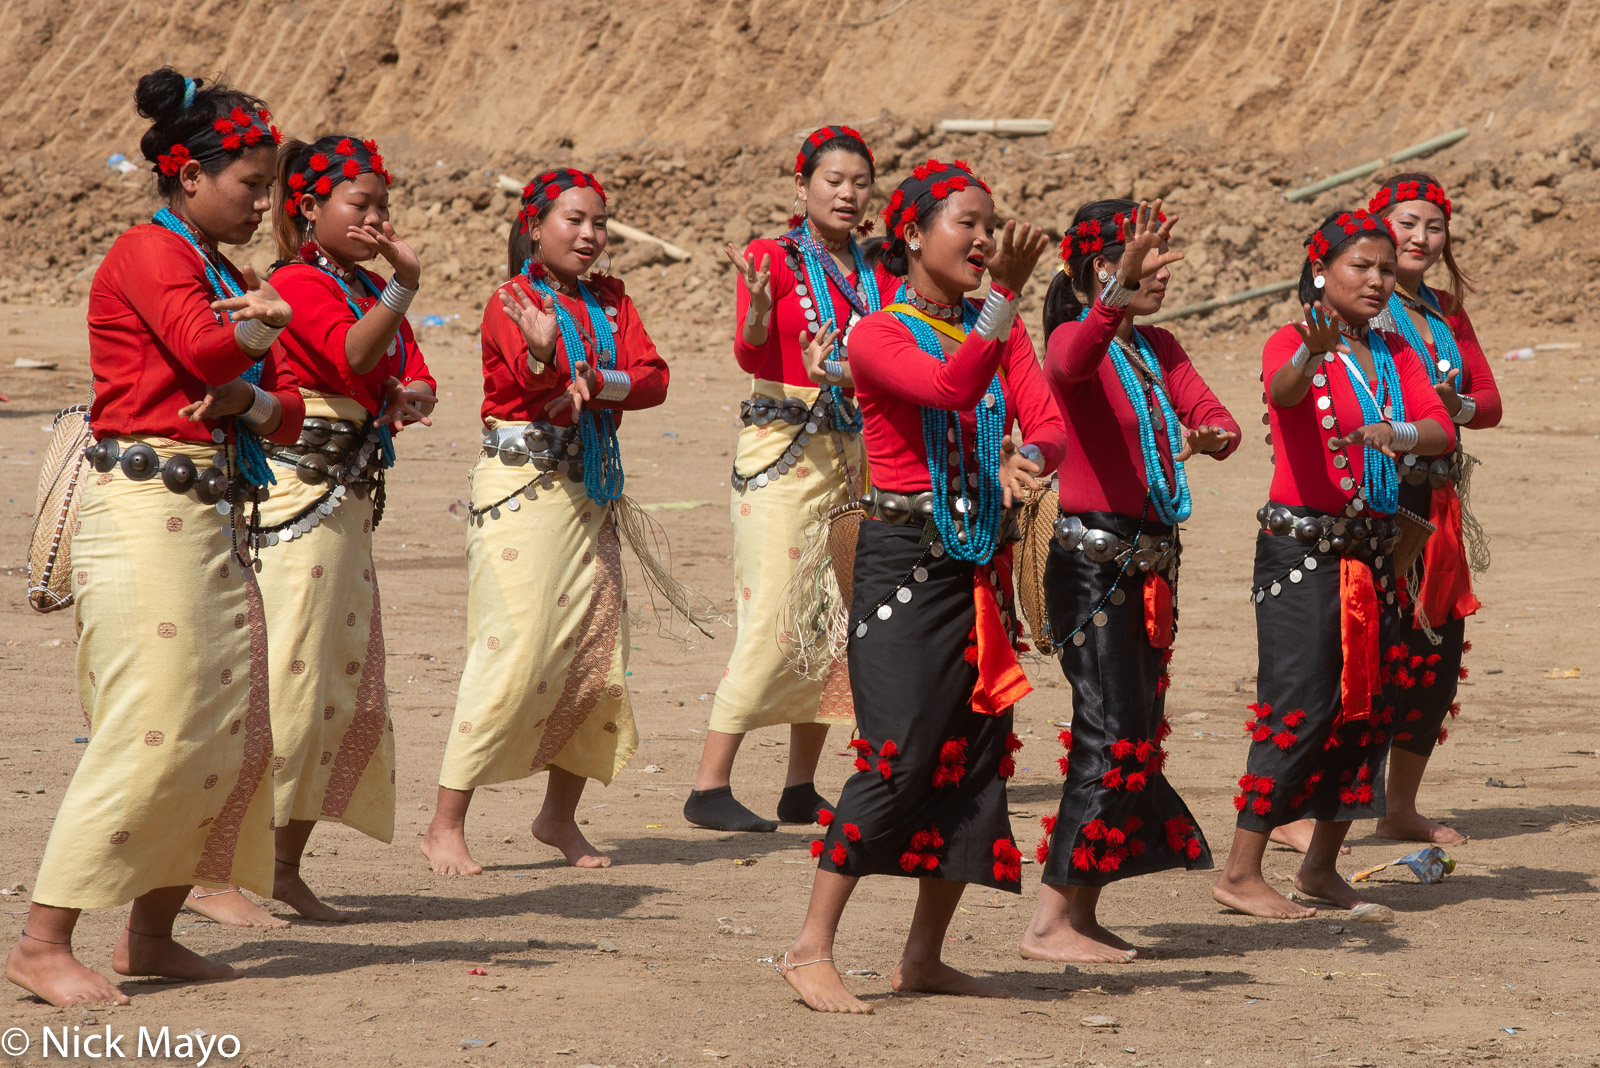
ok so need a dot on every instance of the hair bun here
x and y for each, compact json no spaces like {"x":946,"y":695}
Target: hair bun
{"x":160,"y":94}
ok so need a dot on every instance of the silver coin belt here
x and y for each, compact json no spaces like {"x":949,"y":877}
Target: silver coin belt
{"x":179,"y":473}
{"x":808,"y":420}
{"x":1144,"y":554}
{"x":1352,"y":534}
{"x":339,"y":452}
{"x":1415,"y":470}
{"x":899,"y":509}
{"x":553,"y":451}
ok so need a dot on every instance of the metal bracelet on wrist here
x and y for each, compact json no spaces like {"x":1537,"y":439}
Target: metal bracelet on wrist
{"x":994,"y":319}
{"x":1117,"y":295}
{"x":1033,"y":454}
{"x":1465,"y":413}
{"x":260,"y":410}
{"x":833,"y":370}
{"x":1405,"y":436}
{"x":396,"y":297}
{"x":256,"y":335}
{"x":752,"y":318}
{"x":614,"y":385}
{"x":1303,"y":361}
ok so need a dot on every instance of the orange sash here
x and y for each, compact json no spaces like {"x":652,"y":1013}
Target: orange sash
{"x":1446,"y":592}
{"x":1158,"y":611}
{"x":1358,"y":639}
{"x":1001,"y":681}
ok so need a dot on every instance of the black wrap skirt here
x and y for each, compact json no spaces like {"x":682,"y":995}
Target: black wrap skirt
{"x":1425,"y":686}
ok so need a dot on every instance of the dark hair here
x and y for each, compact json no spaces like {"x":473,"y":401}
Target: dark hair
{"x":160,"y":98}
{"x":1338,"y":242}
{"x":872,"y":250}
{"x":1460,"y":283}
{"x":292,"y":231}
{"x":1064,"y":301}
{"x":893,"y":254}
{"x":841,"y":143}
{"x":519,"y":246}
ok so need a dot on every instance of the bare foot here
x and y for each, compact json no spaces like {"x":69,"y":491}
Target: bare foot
{"x":51,"y":973}
{"x":289,"y":888}
{"x":445,"y":846}
{"x":1093,"y":945}
{"x":937,"y":977}
{"x":1253,"y":897}
{"x":230,"y":907}
{"x":1327,"y":886}
{"x":1414,"y":827}
{"x":141,"y":954}
{"x":819,"y":986}
{"x":1297,"y":836}
{"x":565,"y":836}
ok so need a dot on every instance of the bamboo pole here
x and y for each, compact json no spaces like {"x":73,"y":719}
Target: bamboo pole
{"x":1219,"y":302}
{"x":1433,"y":144}
{"x":622,"y":230}
{"x":1019,"y":127}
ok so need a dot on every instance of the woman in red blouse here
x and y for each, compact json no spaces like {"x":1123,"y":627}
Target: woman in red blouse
{"x":544,"y":687}
{"x":174,"y":786}
{"x":361,"y":378}
{"x":941,"y":381}
{"x":799,"y":297}
{"x":1346,"y":402}
{"x":1111,"y":577}
{"x":1438,"y":331}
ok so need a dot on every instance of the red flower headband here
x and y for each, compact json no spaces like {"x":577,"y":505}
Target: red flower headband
{"x":551,"y":184}
{"x":1090,"y":235}
{"x":1345,"y":225}
{"x":230,"y":135}
{"x":822,"y":137}
{"x":929,"y":183}
{"x":1400,"y":192}
{"x":318,"y":173}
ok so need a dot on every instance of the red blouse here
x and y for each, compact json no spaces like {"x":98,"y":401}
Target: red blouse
{"x":779,"y":358}
{"x":1477,"y":377}
{"x":315,"y":340}
{"x":895,"y":380}
{"x":155,"y":344}
{"x":1104,"y":467}
{"x":511,"y":390}
{"x":1303,"y":471}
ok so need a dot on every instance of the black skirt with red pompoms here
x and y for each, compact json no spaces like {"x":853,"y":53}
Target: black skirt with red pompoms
{"x":1303,"y":763}
{"x":928,"y":799}
{"x":1426,"y":675}
{"x":1119,"y":816}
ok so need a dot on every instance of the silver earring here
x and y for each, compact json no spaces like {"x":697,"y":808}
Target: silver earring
{"x":1104,"y":275}
{"x":1319,"y":281}
{"x":914,"y":245}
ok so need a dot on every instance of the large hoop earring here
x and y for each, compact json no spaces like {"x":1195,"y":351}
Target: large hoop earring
{"x":593,"y":271}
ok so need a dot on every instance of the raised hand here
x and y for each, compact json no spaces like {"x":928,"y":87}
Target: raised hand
{"x":402,"y":406}
{"x":1145,"y":233}
{"x":757,"y":277}
{"x":814,"y":348}
{"x":259,"y":301}
{"x":584,"y":385}
{"x":1447,"y":391}
{"x":1204,"y":439}
{"x":383,"y":242}
{"x":1018,"y":474}
{"x":1379,"y":436}
{"x":535,"y":316}
{"x":1017,"y":252}
{"x":1320,"y":330}
{"x":230,"y":398}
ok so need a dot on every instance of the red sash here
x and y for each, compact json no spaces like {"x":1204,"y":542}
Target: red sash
{"x":1446,"y":592}
{"x":1358,"y":640}
{"x":1001,"y":681}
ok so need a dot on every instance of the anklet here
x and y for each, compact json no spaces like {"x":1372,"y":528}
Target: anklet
{"x":47,"y":941}
{"x":198,"y":896}
{"x":286,"y":864}
{"x":146,"y":934}
{"x":786,"y":966}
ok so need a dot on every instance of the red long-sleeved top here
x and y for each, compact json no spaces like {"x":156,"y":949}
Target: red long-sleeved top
{"x":155,"y":344}
{"x":1104,"y":465}
{"x":315,"y":340}
{"x":1477,"y":377}
{"x":1303,"y":472}
{"x":779,"y":358}
{"x":511,"y":390}
{"x":895,"y":380}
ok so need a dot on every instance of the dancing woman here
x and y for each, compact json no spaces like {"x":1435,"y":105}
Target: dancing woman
{"x":545,"y":683}
{"x":799,"y":453}
{"x":172,"y":790}
{"x":941,"y":380}
{"x":1111,"y":577}
{"x":1345,"y":403}
{"x":1437,"y":329}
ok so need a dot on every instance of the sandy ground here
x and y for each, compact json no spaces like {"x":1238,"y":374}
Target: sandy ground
{"x":662,"y":958}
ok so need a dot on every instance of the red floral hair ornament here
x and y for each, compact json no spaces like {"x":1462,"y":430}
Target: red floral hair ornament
{"x":822,"y":136}
{"x":550,"y":185}
{"x":1342,"y":227}
{"x":1399,"y":192}
{"x":172,"y":162}
{"x":319,"y":172}
{"x":226,"y":136}
{"x":931,"y":182}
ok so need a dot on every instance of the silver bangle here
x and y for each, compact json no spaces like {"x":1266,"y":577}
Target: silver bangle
{"x":255,"y":335}
{"x":753,"y":319}
{"x":994,"y":319}
{"x":1303,"y":361}
{"x":1465,"y":413}
{"x":1033,"y":454}
{"x":396,"y":297}
{"x":614,"y":385}
{"x":1405,"y":436}
{"x":833,"y":370}
{"x":260,"y":411}
{"x":1115,"y":294}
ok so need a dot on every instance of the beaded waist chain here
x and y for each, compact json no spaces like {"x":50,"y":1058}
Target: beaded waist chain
{"x":822,"y":415}
{"x":1147,"y":552}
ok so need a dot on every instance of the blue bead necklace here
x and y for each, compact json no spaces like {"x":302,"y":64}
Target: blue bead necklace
{"x":978,"y":533}
{"x":1447,"y":355}
{"x":385,"y":435}
{"x":252,"y":458}
{"x":1172,"y":506}
{"x":1378,"y":471}
{"x":597,"y":429}
{"x":821,"y":268}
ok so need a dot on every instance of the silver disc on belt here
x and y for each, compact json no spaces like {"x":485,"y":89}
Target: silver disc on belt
{"x":812,"y":427}
{"x":903,"y":595}
{"x":884,"y":611}
{"x":1260,"y":596}
{"x":1389,"y":597}
{"x":1324,"y":403}
{"x":513,"y":504}
{"x":1295,"y":575}
{"x":1079,"y":638}
{"x":1100,"y":619}
{"x":920,"y":573}
{"x":224,"y":507}
{"x":1377,"y":561}
{"x":861,"y":631}
{"x":937,"y":549}
{"x":494,"y":512}
{"x":218,"y":436}
{"x":1347,"y":483}
{"x":1118,"y":595}
{"x":272,"y":537}
{"x":1277,"y":588}
{"x":1325,"y":545}
{"x":1341,"y":461}
{"x":1327,"y":422}
{"x":761,"y":480}
{"x":1310,"y":563}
